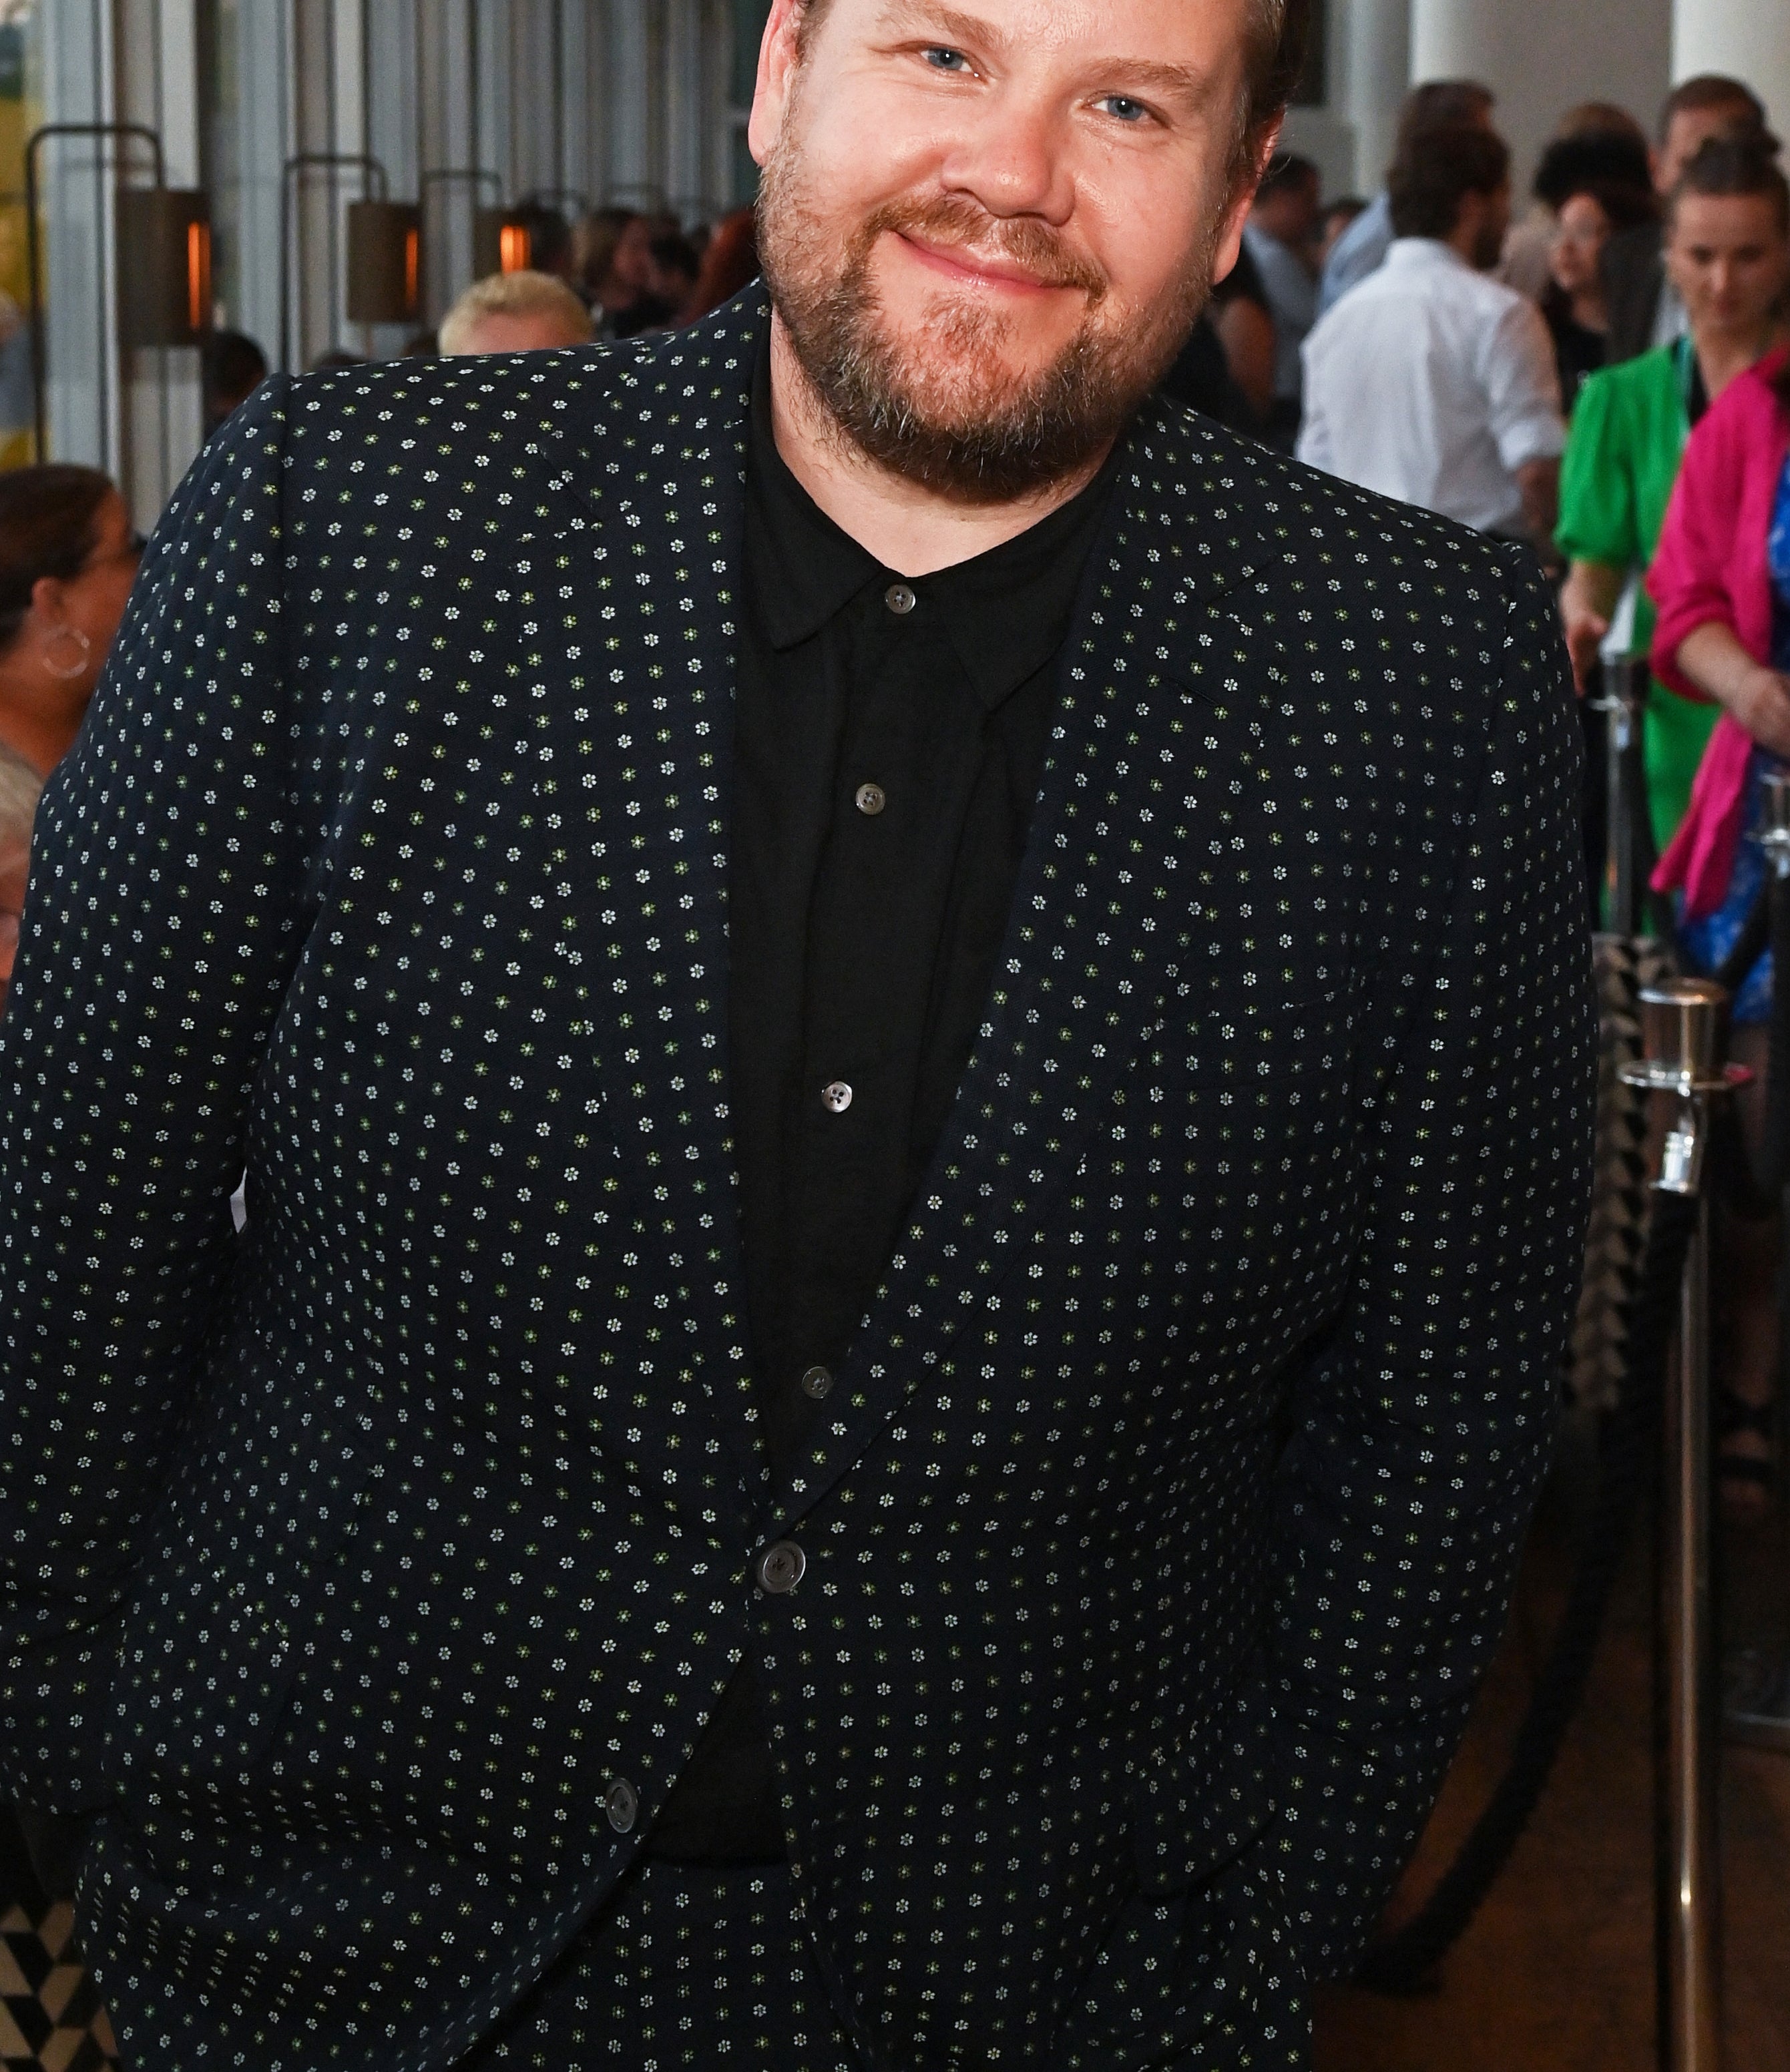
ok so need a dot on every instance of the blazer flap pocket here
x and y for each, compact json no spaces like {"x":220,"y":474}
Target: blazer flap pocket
{"x":220,"y":1609}
{"x":1194,"y":1808}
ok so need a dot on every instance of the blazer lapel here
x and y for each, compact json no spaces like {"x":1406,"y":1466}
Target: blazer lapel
{"x":635,"y":793}
{"x":1106,"y":924}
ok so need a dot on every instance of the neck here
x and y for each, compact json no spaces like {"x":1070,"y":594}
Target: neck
{"x":1587,"y":309}
{"x":39,"y":717}
{"x":909,"y":528}
{"x":1723,"y":355}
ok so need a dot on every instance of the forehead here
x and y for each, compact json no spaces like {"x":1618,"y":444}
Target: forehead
{"x":1206,"y":31}
{"x":1692,"y":125}
{"x":1725,"y":219}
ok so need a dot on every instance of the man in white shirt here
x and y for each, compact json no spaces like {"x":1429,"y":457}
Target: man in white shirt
{"x":1430,"y":381}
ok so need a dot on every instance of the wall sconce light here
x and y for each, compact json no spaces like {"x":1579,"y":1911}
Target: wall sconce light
{"x":385,"y":263}
{"x":164,"y":265}
{"x":500,"y":242}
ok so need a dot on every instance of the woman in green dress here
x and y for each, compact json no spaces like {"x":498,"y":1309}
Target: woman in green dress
{"x":1627,"y":441}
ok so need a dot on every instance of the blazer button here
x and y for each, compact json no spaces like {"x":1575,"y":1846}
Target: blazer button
{"x":781,"y":1568}
{"x":816,"y":1382}
{"x":622,"y":1804}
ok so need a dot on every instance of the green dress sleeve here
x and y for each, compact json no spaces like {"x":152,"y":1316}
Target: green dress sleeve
{"x":1598,"y":519}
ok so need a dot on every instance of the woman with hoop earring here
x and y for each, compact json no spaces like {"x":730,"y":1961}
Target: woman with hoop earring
{"x":68,"y":558}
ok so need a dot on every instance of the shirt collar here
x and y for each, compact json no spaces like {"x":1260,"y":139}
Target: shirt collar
{"x":1424,"y":252}
{"x":804,"y":568}
{"x":1006,"y":611}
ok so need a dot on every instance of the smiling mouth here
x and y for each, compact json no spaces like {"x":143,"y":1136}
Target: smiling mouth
{"x":957,"y":262}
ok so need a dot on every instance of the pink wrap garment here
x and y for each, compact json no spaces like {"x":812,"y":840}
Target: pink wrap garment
{"x":1712,"y":565}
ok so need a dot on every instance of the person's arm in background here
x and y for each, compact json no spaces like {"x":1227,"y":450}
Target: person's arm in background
{"x":1419,"y":1440}
{"x":1700,"y":644}
{"x":1759,"y":697}
{"x":14,"y":859}
{"x":1539,"y":482}
{"x":1522,"y":387}
{"x":1246,"y":331}
{"x":19,"y":792}
{"x":169,"y":888}
{"x":1598,"y":529}
{"x":1588,"y":601}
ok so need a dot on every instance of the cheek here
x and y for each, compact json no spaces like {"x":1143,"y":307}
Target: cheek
{"x":840,"y":179}
{"x":1145,"y":251}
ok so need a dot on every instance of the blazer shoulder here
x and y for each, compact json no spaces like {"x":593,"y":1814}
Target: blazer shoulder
{"x":465,"y":416}
{"x":1321,"y":525}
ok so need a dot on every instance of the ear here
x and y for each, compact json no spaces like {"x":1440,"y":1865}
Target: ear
{"x":1261,"y":149}
{"x":49,"y":600}
{"x":777,"y":59}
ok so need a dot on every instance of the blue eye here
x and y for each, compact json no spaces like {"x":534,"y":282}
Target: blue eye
{"x":1124,"y":109}
{"x":941,"y":60}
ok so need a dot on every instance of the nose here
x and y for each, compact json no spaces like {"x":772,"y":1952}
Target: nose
{"x":1012,"y":157}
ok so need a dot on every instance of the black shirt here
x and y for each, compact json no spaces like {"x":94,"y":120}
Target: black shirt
{"x":890,"y":736}
{"x":1578,"y":352}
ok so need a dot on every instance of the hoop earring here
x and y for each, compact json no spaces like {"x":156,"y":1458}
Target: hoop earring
{"x":85,"y":655}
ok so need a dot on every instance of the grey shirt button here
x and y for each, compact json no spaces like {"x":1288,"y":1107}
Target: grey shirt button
{"x":781,"y":1568}
{"x":836,"y":1096}
{"x":900,"y":599}
{"x":816,"y":1382}
{"x":622,"y":1804}
{"x":871,"y":799}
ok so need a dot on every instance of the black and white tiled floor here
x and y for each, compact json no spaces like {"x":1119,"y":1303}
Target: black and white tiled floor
{"x":51,"y":2019}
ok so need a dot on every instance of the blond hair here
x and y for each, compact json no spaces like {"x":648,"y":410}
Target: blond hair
{"x":524,"y":294}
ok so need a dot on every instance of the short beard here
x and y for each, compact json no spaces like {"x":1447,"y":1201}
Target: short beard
{"x":962,"y":426}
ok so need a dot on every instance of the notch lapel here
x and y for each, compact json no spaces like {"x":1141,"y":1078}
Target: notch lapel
{"x":1104,"y":922}
{"x":636,"y":800}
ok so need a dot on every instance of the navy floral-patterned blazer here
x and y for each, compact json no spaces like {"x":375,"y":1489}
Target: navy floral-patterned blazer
{"x":367,"y":1579}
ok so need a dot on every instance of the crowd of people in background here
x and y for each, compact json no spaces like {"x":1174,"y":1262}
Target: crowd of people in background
{"x":1601,"y":380}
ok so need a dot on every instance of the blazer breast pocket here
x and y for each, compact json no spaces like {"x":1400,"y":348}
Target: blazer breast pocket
{"x":261,"y":1508}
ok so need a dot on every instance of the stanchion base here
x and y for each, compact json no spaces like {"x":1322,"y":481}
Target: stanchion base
{"x":1757,"y":1711}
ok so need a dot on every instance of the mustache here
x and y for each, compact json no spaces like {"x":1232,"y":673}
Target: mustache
{"x":954,"y":220}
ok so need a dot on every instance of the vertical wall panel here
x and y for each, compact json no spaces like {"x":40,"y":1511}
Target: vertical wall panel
{"x":74,"y":179}
{"x":449,"y":60}
{"x":252,"y":119}
{"x":1748,"y":39}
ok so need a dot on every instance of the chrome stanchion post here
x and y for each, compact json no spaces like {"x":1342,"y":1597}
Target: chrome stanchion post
{"x":1624,"y":695}
{"x":1773,"y":835}
{"x":1683,"y":1024}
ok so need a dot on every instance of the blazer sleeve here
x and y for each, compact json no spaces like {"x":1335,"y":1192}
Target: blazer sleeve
{"x":1689,"y":580}
{"x":1423,"y":1428}
{"x":164,"y":908}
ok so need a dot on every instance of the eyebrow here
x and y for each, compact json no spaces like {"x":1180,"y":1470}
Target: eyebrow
{"x":950,"y":26}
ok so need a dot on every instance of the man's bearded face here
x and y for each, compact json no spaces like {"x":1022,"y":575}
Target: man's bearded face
{"x":982,"y":262}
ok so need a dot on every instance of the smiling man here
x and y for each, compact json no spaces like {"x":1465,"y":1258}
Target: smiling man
{"x":911,"y":1040}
